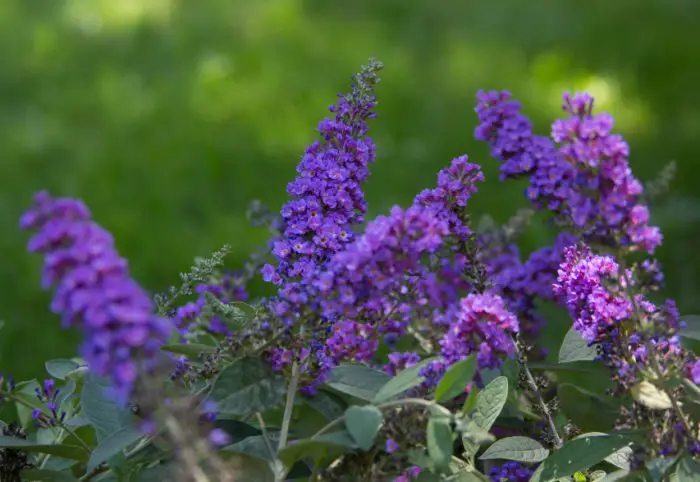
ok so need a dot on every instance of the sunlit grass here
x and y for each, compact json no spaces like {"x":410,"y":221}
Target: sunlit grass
{"x":97,"y":15}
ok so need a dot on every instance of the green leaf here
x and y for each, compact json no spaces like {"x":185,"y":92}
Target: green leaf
{"x":581,"y":453}
{"x":327,"y":404}
{"x":455,"y":380}
{"x":575,"y":348}
{"x":440,"y":443}
{"x":247,"y":386}
{"x":407,"y":379}
{"x":103,"y":413}
{"x":363,"y":423}
{"x":43,"y":475}
{"x":113,"y":445}
{"x":72,"y":452}
{"x":490,"y":402}
{"x":190,"y":350}
{"x":357,"y":380}
{"x":519,"y":449}
{"x":692,"y":327}
{"x":247,"y":468}
{"x":590,"y":411}
{"x":254,"y":446}
{"x":688,"y":470}
{"x":61,"y":368}
{"x":621,"y":458}
{"x":316,"y":448}
{"x":614,"y":476}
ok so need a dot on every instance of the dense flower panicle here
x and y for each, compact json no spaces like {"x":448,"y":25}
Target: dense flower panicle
{"x":587,"y":181}
{"x":448,"y":200}
{"x":327,"y":200}
{"x":483,"y":326}
{"x":95,"y":292}
{"x":399,"y":361}
{"x":511,"y":472}
{"x":583,"y":279}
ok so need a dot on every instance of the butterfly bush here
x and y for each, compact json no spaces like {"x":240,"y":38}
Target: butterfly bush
{"x":94,"y":291}
{"x":414,"y":340}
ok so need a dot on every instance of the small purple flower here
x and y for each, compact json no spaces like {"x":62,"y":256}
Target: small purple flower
{"x":48,"y":395}
{"x":694,"y":372}
{"x":219,"y":437}
{"x":95,"y":292}
{"x":511,"y":472}
{"x":391,"y":446}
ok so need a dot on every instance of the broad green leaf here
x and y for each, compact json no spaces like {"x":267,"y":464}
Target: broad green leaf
{"x":688,"y":470}
{"x":470,"y":402}
{"x":581,"y":453}
{"x":588,"y":410}
{"x":43,"y":475}
{"x":621,"y":458}
{"x":247,"y":386}
{"x":490,"y":402}
{"x":247,"y":468}
{"x":440,"y":443}
{"x":190,"y":350}
{"x":407,"y":379}
{"x":614,"y":476}
{"x":519,"y":449}
{"x":363,"y":423}
{"x":357,"y":380}
{"x":24,"y":392}
{"x":692,"y":327}
{"x":659,"y":467}
{"x":327,"y":404}
{"x":575,"y":348}
{"x":316,"y":448}
{"x":61,"y":367}
{"x":72,"y":452}
{"x":103,"y":413}
{"x":455,"y":380}
{"x":254,"y":446}
{"x":112,"y":445}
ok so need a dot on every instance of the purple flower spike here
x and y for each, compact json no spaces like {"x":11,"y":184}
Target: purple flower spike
{"x":95,"y":292}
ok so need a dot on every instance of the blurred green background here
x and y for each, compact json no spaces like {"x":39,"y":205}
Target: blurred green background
{"x":169,"y":116}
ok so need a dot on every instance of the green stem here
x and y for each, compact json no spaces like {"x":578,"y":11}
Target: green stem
{"x":693,"y":387}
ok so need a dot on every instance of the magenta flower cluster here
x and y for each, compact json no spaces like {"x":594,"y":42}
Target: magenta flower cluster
{"x":483,"y":326}
{"x":95,"y":292}
{"x":586,"y":181}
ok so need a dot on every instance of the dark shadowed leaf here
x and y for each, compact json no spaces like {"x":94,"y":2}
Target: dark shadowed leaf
{"x":103,"y":413}
{"x":42,"y":475}
{"x":247,"y":386}
{"x":579,"y":454}
{"x":362,"y":423}
{"x":61,"y":367}
{"x":112,"y":445}
{"x":357,"y":380}
{"x":574,"y":348}
{"x":72,"y":452}
{"x":249,"y":469}
{"x":317,"y":448}
{"x":440,"y":443}
{"x":588,"y":410}
{"x":519,"y":449}
{"x":329,"y":405}
{"x":688,"y":470}
{"x":407,"y":379}
{"x":254,"y":446}
{"x":455,"y":380}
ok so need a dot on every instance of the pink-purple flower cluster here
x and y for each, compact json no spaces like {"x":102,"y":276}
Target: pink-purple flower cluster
{"x":483,"y":326}
{"x":584,"y":280}
{"x":586,"y":181}
{"x":94,"y":291}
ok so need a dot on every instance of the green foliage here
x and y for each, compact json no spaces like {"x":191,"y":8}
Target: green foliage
{"x":519,"y":449}
{"x":455,"y":380}
{"x":407,"y":379}
{"x":574,"y":348}
{"x":358,"y":381}
{"x":362,"y":423}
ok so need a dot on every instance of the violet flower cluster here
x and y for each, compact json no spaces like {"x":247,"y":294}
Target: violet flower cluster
{"x":94,"y":291}
{"x":586,"y":181}
{"x":511,"y":472}
{"x":48,"y":396}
